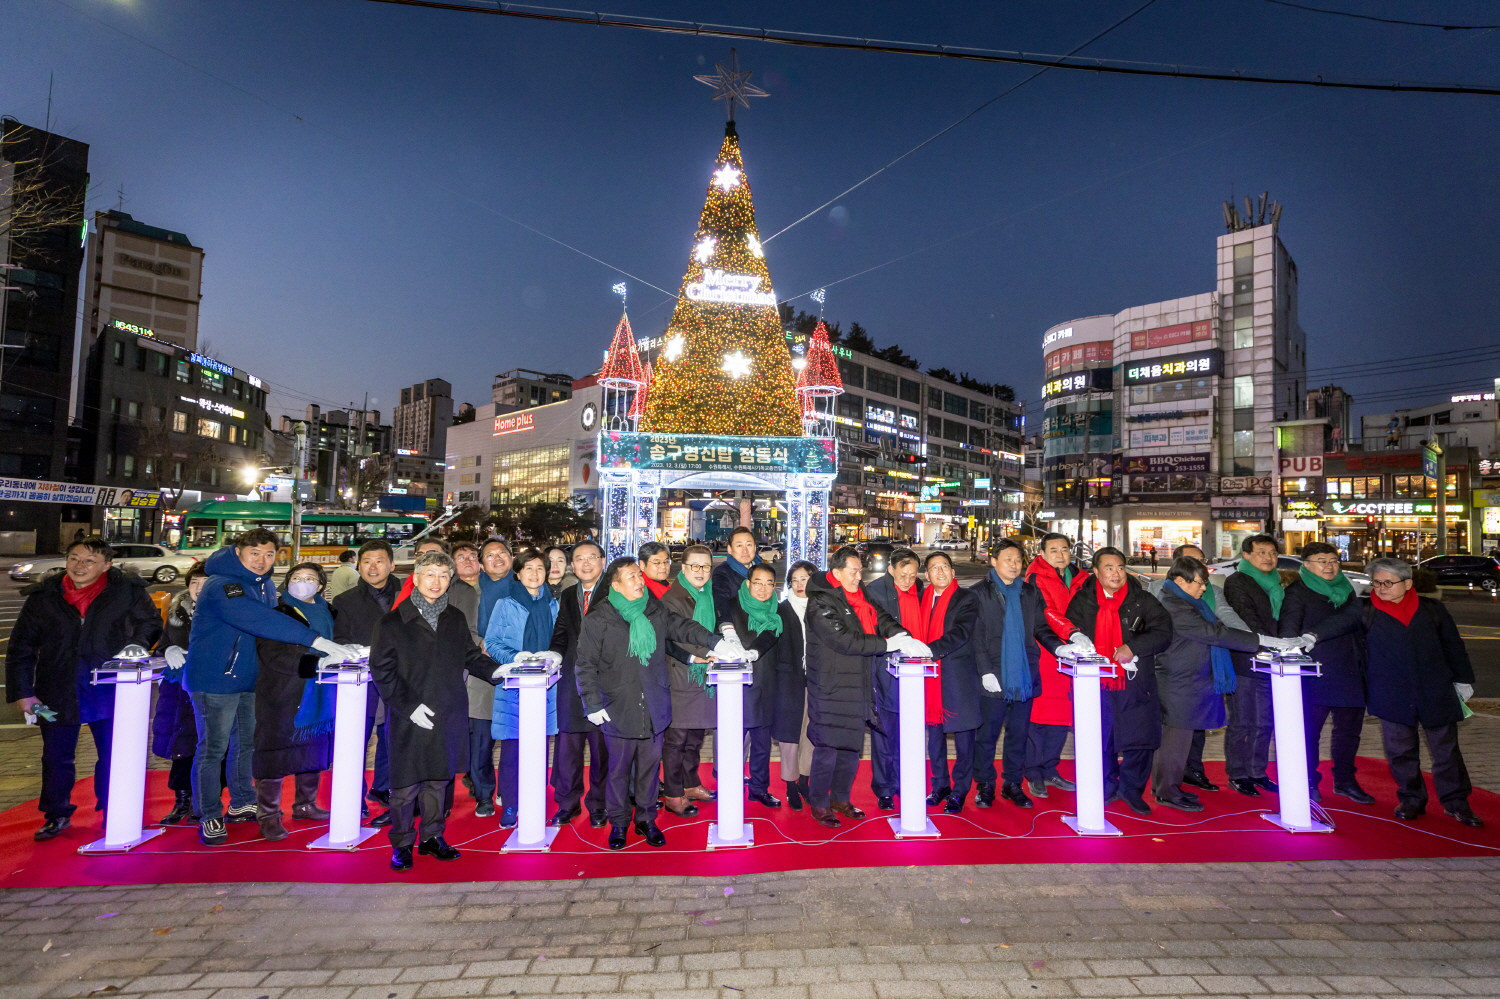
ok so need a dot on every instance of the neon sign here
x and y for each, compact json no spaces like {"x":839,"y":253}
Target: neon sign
{"x":731,"y":289}
{"x":513,"y":424}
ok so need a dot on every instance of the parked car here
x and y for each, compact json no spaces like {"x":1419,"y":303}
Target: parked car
{"x":1464,"y":570}
{"x":154,"y":562}
{"x":1289,"y":563}
{"x":876,"y":559}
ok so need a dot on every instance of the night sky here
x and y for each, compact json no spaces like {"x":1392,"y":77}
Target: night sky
{"x":359,"y":249}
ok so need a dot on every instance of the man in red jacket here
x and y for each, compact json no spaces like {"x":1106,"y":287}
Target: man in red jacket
{"x":1054,"y":573}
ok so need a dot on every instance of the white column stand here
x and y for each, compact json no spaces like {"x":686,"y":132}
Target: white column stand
{"x":532,"y":834}
{"x":731,"y":678}
{"x":351,"y":682}
{"x":1286,"y":671}
{"x":911,"y":675}
{"x":132,"y":679}
{"x":1088,"y":743}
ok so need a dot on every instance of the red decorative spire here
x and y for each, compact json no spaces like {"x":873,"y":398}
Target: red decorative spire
{"x":622,"y":367}
{"x":820,"y":376}
{"x":638,"y":404}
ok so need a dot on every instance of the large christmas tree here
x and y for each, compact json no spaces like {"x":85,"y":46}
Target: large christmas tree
{"x":724,"y":366}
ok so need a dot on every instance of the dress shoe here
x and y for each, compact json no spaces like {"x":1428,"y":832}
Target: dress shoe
{"x":401,"y":858}
{"x":311,"y":813}
{"x":848,"y":810}
{"x":680,"y":806}
{"x":51,"y":828}
{"x":700,"y":793}
{"x":617,"y":837}
{"x":1013,"y":794}
{"x":1038,"y":788}
{"x":181,"y":809}
{"x":1408,"y":811}
{"x":1198,"y":779}
{"x":508,"y":818}
{"x":382,"y":820}
{"x":766,"y":798}
{"x":272,"y":828}
{"x":938,"y":796}
{"x":953,"y":805}
{"x":1111,"y":791}
{"x":439,"y":848}
{"x":1189,"y":795}
{"x":1313,"y":794}
{"x":1181,"y":804}
{"x":380,"y":798}
{"x":825,"y":817}
{"x":240,"y":813}
{"x":1265,"y":783}
{"x":649,"y":831}
{"x":1061,"y":783}
{"x":984,"y":794}
{"x":794,"y":796}
{"x":886,"y":802}
{"x":565,"y":815}
{"x":211,"y":832}
{"x":1462,"y":813}
{"x":1135,"y":801}
{"x":1245,"y":787}
{"x":598,"y":820}
{"x":484,"y":809}
{"x":1354,"y":793}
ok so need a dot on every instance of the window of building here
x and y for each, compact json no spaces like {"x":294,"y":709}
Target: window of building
{"x":114,"y":406}
{"x":26,"y":413}
{"x":909,"y":419}
{"x":212,"y":380}
{"x":176,"y":471}
{"x":1244,"y":443}
{"x":978,"y":411}
{"x":1354,"y":487}
{"x":1244,"y":391}
{"x":853,"y":375}
{"x":179,"y":422}
{"x":1413,"y":487}
{"x":133,"y":410}
{"x":140,"y":357}
{"x":880,"y":381}
{"x":934,"y":426}
{"x":127,"y":466}
{"x":851,"y":407}
{"x":184,"y":372}
{"x":934,"y":397}
{"x":955,"y":404}
{"x":534,"y":475}
{"x":109,"y":463}
{"x":161,"y":364}
{"x":159,"y":414}
{"x":1244,"y":326}
{"x":911,"y":391}
{"x":1196,"y":388}
{"x":119,"y":353}
{"x":1438,"y":419}
{"x":210,"y":428}
{"x":469,"y":461}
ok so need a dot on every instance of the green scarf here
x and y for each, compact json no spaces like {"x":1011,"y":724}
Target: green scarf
{"x":761,"y":614}
{"x":1208,"y":597}
{"x":1337,"y":589}
{"x":1269,"y":581}
{"x":703,"y":601}
{"x":642,"y":633}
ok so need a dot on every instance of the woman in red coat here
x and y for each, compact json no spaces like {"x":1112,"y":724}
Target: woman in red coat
{"x":1054,"y":573}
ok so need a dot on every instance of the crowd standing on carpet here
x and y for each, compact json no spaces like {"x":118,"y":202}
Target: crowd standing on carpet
{"x":240,"y":708}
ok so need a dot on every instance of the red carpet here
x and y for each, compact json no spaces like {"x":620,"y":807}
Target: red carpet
{"x":1229,"y":829}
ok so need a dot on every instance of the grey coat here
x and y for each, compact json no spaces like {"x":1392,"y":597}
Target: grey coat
{"x":1184,"y":673}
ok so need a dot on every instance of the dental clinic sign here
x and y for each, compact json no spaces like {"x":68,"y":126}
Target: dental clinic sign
{"x":729,"y":289}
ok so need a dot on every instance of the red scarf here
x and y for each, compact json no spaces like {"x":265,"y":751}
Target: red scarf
{"x":862,"y":608}
{"x":82,"y":598}
{"x":406,"y":588}
{"x":932,"y":630}
{"x":1404,"y":609}
{"x":1056,"y":594}
{"x":658,"y":590}
{"x":1107,"y":634}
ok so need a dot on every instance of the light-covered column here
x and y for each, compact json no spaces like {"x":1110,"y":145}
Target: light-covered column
{"x":796,"y":524}
{"x":616,"y":513}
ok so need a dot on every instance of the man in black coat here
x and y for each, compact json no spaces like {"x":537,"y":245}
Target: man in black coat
{"x":734,"y":570}
{"x":949,"y":614}
{"x":574,"y":730}
{"x":71,"y":623}
{"x":1130,"y":711}
{"x":1339,"y":692}
{"x":625,"y":686}
{"x":1247,"y":739}
{"x":1419,"y":676}
{"x":1008,"y":692}
{"x":899,"y":584}
{"x":356,"y":611}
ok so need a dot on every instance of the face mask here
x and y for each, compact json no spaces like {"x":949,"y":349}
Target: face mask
{"x":303,"y":589}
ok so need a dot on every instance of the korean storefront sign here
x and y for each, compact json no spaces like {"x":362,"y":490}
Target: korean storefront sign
{"x":1161,"y":369}
{"x":711,"y":453}
{"x":41,"y":491}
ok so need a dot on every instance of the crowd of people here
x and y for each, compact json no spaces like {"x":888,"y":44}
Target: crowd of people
{"x":633,"y":641}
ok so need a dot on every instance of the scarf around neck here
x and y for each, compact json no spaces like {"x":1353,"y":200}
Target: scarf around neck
{"x":430,"y":610}
{"x":703,"y":601}
{"x":541,"y":613}
{"x":1338,"y":590}
{"x":931,"y":623}
{"x":658,"y":590}
{"x":1268,"y":581}
{"x":1402,"y":610}
{"x":1015,"y":664}
{"x":863,"y":609}
{"x":761,"y":615}
{"x":642,"y":631}
{"x":1225,"y":681}
{"x":1109,"y":634}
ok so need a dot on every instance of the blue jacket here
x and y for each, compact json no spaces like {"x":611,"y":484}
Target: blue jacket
{"x":235,"y":608}
{"x":502,"y":640}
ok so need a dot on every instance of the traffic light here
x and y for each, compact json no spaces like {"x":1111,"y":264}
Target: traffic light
{"x":1369,"y":521}
{"x":910,"y":459}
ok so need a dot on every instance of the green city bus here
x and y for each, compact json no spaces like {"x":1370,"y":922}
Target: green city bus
{"x":326,"y":534}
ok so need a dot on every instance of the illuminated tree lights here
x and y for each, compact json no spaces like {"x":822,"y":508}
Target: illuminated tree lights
{"x":726,"y":368}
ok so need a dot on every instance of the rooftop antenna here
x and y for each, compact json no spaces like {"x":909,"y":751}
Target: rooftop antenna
{"x":48,"y":126}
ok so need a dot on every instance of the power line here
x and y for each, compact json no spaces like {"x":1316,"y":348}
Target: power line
{"x":1385,"y":20}
{"x":1457,"y":356}
{"x":928,"y":49}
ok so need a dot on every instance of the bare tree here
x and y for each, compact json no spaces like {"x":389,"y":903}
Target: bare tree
{"x":171,"y":459}
{"x":32,"y":204}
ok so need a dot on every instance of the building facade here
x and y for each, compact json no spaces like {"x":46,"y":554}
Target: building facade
{"x":423,"y":417}
{"x":522,"y":388}
{"x":144,"y":277}
{"x":518,"y":458}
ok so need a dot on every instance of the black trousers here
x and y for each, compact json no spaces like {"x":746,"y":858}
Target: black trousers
{"x":567,"y":770}
{"x":1195,"y":751}
{"x":1347,"y":725}
{"x":634,"y":766}
{"x":180,"y":777}
{"x":59,"y":749}
{"x":1044,"y":746}
{"x":680,"y":754}
{"x":1172,"y":758}
{"x":482,"y":758}
{"x":1450,"y":778}
{"x":1014,"y":717}
{"x":885,"y":755}
{"x":760,"y":758}
{"x":432,"y":796}
{"x":508,"y":773}
{"x":832,"y":777}
{"x":1124,"y":769}
{"x":1247,"y":740}
{"x":962,"y":777}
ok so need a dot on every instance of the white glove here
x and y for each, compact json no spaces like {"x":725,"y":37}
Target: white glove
{"x":1465,"y":691}
{"x":132,"y":651}
{"x":1280,"y":644}
{"x":1082,"y":643}
{"x":176,"y":656}
{"x":599,"y":717}
{"x":730,"y":649}
{"x":333,"y":653}
{"x":1308,"y":641}
{"x":991,"y":683}
{"x":908,"y":646}
{"x":727,"y":630}
{"x":422,"y":717}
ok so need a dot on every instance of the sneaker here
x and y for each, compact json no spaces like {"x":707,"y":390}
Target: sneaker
{"x":240,"y":813}
{"x":484,"y":809}
{"x":211,"y":832}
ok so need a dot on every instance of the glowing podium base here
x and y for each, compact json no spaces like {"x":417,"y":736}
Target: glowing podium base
{"x":1088,"y":742}
{"x":729,"y":741}
{"x":123,"y":817}
{"x":911,"y":675}
{"x":532,"y":678}
{"x":346,"y":784}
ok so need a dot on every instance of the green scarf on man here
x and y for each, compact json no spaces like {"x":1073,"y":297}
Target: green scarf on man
{"x":761,"y":615}
{"x":1268,"y":581}
{"x":642,"y":631}
{"x":1338,"y":590}
{"x":703,"y":600}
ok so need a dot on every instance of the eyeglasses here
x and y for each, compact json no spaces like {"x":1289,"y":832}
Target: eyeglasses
{"x":1386,"y":584}
{"x":697,"y":565}
{"x":586,"y":558}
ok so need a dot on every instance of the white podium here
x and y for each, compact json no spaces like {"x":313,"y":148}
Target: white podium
{"x":532,"y":678}
{"x":729,"y":742}
{"x":132,"y":680}
{"x":911,"y":675}
{"x":1088,"y":742}
{"x":351,"y":682}
{"x":1286,"y":670}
